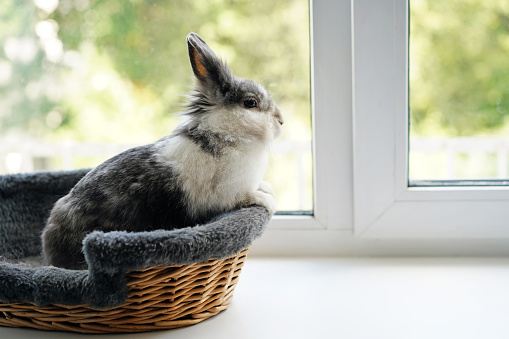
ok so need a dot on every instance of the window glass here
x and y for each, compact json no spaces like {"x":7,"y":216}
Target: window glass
{"x":82,"y":80}
{"x":459,"y":91}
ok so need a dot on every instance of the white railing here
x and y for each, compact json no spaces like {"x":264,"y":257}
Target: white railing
{"x":22,"y":156}
{"x":19,"y":156}
{"x":16,"y":156}
{"x":451,"y":147}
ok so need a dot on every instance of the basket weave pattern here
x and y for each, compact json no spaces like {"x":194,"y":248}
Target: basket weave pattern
{"x":161,"y":297}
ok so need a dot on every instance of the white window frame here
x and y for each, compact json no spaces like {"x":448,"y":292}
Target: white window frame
{"x":331,"y":98}
{"x":385,"y":205}
{"x":363,"y":205}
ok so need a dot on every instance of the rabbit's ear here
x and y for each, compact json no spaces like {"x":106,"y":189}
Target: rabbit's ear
{"x":207,"y":67}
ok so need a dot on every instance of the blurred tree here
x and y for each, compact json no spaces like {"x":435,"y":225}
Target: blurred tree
{"x":21,"y":63}
{"x":459,"y":67}
{"x":110,"y":70}
{"x":115,"y":70}
{"x":121,"y":65}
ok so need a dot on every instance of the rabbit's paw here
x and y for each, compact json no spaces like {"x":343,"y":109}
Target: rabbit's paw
{"x":266,"y":188}
{"x":264,"y":199}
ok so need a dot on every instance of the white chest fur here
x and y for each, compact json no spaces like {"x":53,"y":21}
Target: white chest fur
{"x":214,"y":183}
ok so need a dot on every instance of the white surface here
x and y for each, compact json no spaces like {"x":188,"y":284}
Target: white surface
{"x":353,"y":299}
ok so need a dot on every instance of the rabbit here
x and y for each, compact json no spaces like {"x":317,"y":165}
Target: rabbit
{"x":212,"y":163}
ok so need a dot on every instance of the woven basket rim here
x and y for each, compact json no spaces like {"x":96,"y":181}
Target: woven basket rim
{"x":160,"y":297}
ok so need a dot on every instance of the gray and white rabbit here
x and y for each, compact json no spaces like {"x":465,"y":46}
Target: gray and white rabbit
{"x":212,"y":163}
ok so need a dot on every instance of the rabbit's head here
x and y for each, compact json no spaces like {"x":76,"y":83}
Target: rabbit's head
{"x":225,"y":104}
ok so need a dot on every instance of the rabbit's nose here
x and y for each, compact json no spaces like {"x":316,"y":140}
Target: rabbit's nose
{"x":279,"y":117}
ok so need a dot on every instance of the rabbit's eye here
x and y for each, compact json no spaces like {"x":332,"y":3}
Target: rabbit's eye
{"x":250,"y":103}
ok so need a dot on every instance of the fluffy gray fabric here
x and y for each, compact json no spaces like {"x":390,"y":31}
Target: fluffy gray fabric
{"x":25,"y":203}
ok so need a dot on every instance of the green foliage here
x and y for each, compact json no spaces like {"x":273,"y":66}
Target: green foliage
{"x":124,"y":65}
{"x":115,"y":70}
{"x":459,"y":67}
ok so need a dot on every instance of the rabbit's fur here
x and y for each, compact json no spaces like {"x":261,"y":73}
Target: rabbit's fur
{"x":211,"y":164}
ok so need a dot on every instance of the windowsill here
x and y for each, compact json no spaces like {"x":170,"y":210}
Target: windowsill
{"x":353,"y":299}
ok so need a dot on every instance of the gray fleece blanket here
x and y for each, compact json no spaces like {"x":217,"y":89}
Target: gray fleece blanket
{"x":25,"y":203}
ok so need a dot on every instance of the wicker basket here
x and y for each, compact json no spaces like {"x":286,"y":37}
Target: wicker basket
{"x":159,"y":298}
